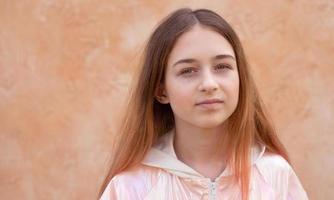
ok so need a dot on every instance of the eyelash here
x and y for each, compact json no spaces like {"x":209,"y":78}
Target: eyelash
{"x":186,"y":71}
{"x":189,"y":70}
{"x":224,"y":66}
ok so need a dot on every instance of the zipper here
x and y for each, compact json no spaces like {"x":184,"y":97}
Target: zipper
{"x":212,"y":190}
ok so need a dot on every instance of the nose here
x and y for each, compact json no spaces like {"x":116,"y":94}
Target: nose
{"x":208,"y":82}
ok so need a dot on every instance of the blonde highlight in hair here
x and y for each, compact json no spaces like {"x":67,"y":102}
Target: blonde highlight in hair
{"x":146,"y":119}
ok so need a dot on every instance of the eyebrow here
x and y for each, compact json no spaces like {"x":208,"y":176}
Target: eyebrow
{"x":192,"y":60}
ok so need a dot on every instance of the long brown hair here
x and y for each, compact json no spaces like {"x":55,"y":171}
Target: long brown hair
{"x":146,"y":119}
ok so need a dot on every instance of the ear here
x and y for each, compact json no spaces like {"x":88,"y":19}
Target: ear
{"x":161,"y":94}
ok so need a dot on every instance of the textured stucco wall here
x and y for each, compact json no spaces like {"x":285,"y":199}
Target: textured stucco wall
{"x":66,"y":66}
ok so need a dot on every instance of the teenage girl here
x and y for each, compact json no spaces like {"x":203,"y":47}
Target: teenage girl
{"x":195,"y":127}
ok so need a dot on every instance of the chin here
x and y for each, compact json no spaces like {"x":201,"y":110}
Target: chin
{"x":209,"y":124}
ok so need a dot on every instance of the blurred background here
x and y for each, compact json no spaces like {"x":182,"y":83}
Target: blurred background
{"x":66,"y":67}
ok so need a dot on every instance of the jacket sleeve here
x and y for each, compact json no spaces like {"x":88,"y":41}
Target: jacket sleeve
{"x":295,"y":188}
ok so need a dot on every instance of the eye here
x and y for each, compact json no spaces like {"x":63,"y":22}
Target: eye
{"x":222,"y":66}
{"x":187,"y":71}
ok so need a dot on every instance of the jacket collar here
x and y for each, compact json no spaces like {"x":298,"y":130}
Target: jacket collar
{"x":162,"y":155}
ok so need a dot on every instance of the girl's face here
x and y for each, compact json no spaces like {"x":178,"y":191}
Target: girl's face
{"x":201,"y":79}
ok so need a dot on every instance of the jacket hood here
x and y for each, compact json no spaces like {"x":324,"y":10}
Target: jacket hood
{"x":162,"y":155}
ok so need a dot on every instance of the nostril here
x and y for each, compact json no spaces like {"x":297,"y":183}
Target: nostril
{"x":208,"y":88}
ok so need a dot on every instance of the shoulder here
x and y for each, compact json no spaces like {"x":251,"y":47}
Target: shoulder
{"x":274,"y":162}
{"x":279,"y":174}
{"x":134,"y":183}
{"x":140,"y":173}
{"x":273,"y":167}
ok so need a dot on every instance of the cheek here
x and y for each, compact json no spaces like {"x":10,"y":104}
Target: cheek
{"x":232,"y":88}
{"x":235,"y":88}
{"x":179,"y":95}
{"x":236,"y":92}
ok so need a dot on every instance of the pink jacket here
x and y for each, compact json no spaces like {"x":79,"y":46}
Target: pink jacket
{"x":161,"y":176}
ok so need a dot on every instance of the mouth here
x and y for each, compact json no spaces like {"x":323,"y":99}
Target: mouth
{"x":210,"y":104}
{"x":210,"y":101}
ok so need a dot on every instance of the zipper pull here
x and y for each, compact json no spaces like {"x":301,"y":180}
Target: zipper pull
{"x":212,"y":190}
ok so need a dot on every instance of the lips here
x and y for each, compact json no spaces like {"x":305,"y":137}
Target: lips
{"x":210,"y":101}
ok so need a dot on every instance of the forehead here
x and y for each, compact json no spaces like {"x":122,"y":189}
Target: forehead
{"x":200,"y":43}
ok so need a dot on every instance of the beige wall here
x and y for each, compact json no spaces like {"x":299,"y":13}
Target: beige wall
{"x":65,"y":67}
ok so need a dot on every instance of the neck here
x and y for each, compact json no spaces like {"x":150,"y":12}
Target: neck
{"x":201,"y":149}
